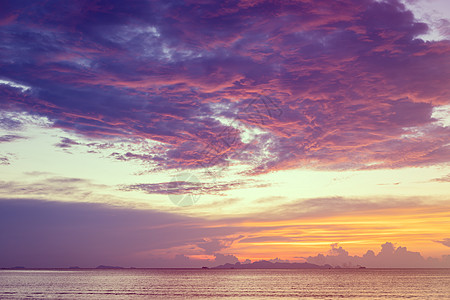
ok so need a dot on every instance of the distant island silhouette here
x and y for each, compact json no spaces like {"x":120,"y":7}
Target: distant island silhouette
{"x":264,"y":264}
{"x":108,"y":267}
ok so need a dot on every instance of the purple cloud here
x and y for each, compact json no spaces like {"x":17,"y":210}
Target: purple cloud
{"x":187,"y":187}
{"x":350,"y":78}
{"x":55,"y":234}
{"x":10,"y":138}
{"x":66,"y":143}
{"x":4,"y":160}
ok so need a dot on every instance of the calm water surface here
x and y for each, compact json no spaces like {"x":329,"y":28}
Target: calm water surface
{"x":216,"y":284}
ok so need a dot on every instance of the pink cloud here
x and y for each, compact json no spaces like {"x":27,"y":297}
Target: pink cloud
{"x":350,"y":78}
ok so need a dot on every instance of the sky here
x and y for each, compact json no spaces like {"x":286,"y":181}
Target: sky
{"x":198,"y":133}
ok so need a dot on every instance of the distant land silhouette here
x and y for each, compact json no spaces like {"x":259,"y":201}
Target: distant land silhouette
{"x":108,"y":267}
{"x":264,"y":264}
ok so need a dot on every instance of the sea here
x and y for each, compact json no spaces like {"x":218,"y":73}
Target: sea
{"x":227,"y":283}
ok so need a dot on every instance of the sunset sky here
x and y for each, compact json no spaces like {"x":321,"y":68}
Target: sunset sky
{"x":195,"y":133}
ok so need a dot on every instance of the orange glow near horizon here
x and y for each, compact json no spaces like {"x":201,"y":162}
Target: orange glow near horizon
{"x":417,"y":228}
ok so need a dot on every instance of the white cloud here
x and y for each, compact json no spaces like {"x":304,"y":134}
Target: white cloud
{"x":442,"y":115}
{"x":435,"y":13}
{"x":24,"y":88}
{"x":388,"y":257}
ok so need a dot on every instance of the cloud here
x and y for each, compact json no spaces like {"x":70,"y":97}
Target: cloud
{"x":214,"y":245}
{"x":445,"y":242}
{"x":445,"y":178}
{"x":179,"y":187}
{"x":335,"y":206}
{"x":53,"y":187}
{"x":39,"y":233}
{"x":13,"y":121}
{"x":10,"y":124}
{"x":10,"y":138}
{"x":353,"y":86}
{"x":66,"y":143}
{"x":4,"y":160}
{"x":277,"y":260}
{"x":262,"y":239}
{"x":388,"y":257}
{"x":221,"y":259}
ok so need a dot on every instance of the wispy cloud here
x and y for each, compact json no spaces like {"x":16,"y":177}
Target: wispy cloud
{"x":47,"y":186}
{"x":192,"y":187}
{"x":10,"y":138}
{"x":445,"y":178}
{"x":4,"y":160}
{"x":445,"y":242}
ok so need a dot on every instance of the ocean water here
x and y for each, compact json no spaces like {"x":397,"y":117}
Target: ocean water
{"x":230,"y":284}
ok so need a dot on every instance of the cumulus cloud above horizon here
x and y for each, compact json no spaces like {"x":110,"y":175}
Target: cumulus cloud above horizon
{"x":389,"y":256}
